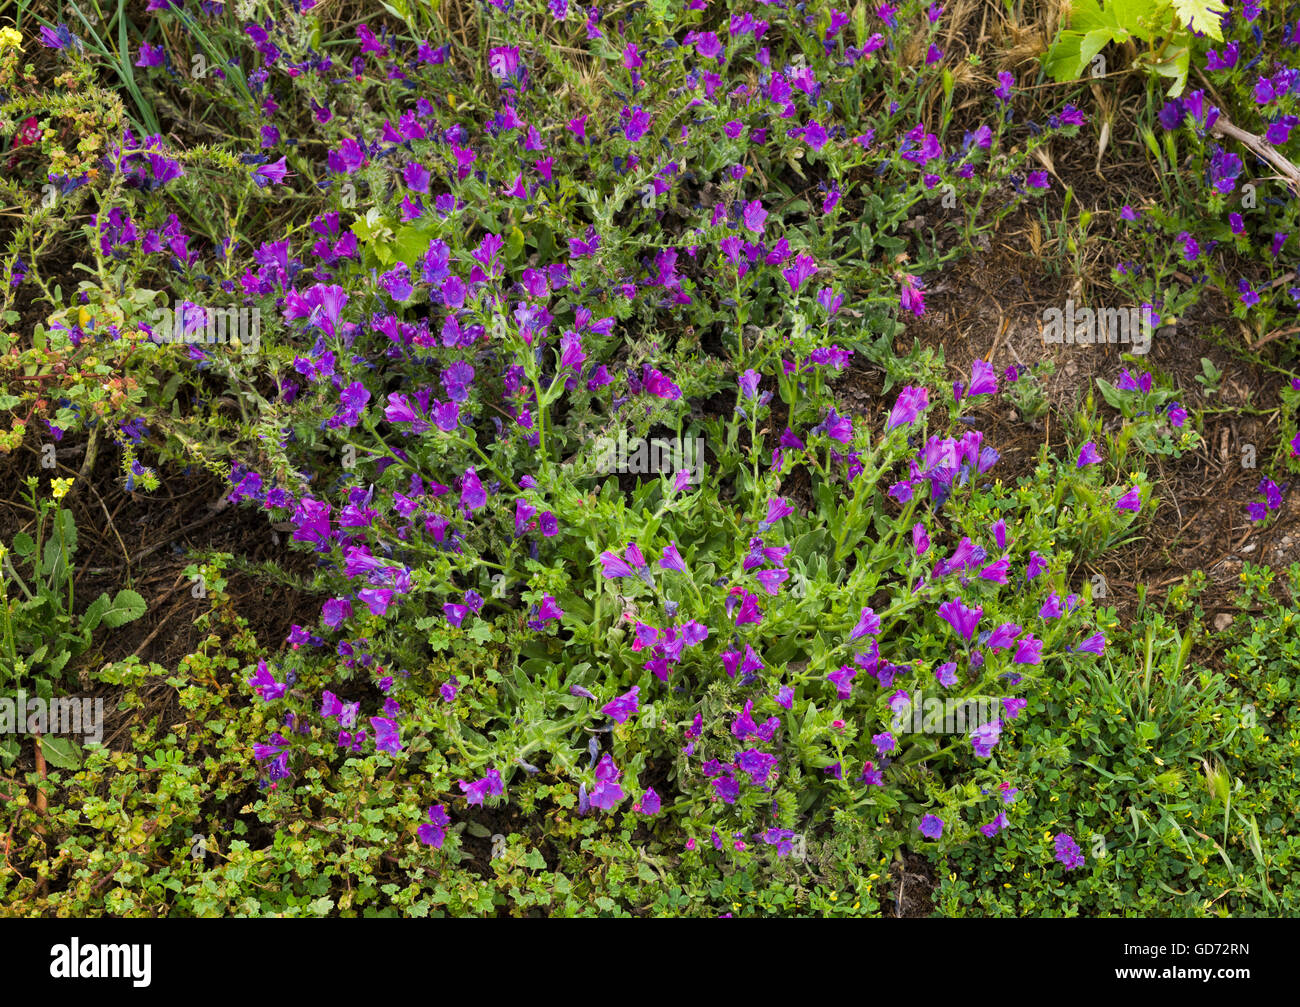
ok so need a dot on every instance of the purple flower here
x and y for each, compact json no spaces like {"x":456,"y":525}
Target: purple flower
{"x":335,"y":611}
{"x":777,"y":508}
{"x":1130,"y":501}
{"x":963,"y":620}
{"x":1095,"y":644}
{"x":931,"y":827}
{"x":265,"y":685}
{"x":997,"y":571}
{"x":503,"y":62}
{"x":489,"y":786}
{"x":472,"y":494}
{"x":804,"y":267}
{"x":672,"y":559}
{"x":649,"y":804}
{"x":911,"y":297}
{"x":1002,"y":637}
{"x":985,"y":737}
{"x":983,"y":379}
{"x":636,"y":123}
{"x":434,"y":832}
{"x":607,"y":792}
{"x":911,"y":403}
{"x":753,"y":217}
{"x":843,"y":680}
{"x":151,"y":55}
{"x":58,"y":37}
{"x":814,"y":134}
{"x":546,"y":611}
{"x":332,"y":706}
{"x":623,"y":707}
{"x":1087,"y":455}
{"x":377,"y":599}
{"x":757,"y":765}
{"x":386,"y":735}
{"x":868,"y":624}
{"x":614,"y":566}
{"x":1068,"y":852}
{"x":1029,"y":651}
{"x":271,"y":174}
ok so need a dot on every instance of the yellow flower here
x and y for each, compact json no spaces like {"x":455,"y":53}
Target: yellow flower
{"x":59,"y":488}
{"x":10,"y":38}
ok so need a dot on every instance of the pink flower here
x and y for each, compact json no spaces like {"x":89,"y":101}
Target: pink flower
{"x":911,"y":297}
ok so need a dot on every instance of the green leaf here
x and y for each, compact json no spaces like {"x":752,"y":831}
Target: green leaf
{"x":1140,"y":17}
{"x":63,"y":753}
{"x":1202,"y":15}
{"x":1176,"y":66}
{"x":56,"y":663}
{"x":24,"y":545}
{"x":514,"y":244}
{"x":1093,"y":43}
{"x":1063,"y":60}
{"x":1113,"y":396}
{"x":95,"y":612}
{"x":411,"y":244}
{"x":1086,"y":15}
{"x":126,"y":607}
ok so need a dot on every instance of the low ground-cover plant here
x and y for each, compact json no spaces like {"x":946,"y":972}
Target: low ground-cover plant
{"x":1223,"y":146}
{"x":1174,"y":780}
{"x":628,"y":602}
{"x":41,"y":632}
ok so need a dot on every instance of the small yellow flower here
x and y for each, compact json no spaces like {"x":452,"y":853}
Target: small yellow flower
{"x":11,"y":38}
{"x":59,"y":488}
{"x":834,"y":896}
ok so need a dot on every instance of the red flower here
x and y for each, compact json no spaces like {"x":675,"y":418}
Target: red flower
{"x":28,"y":133}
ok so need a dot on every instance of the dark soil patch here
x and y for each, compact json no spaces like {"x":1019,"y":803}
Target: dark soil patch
{"x":988,"y":307}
